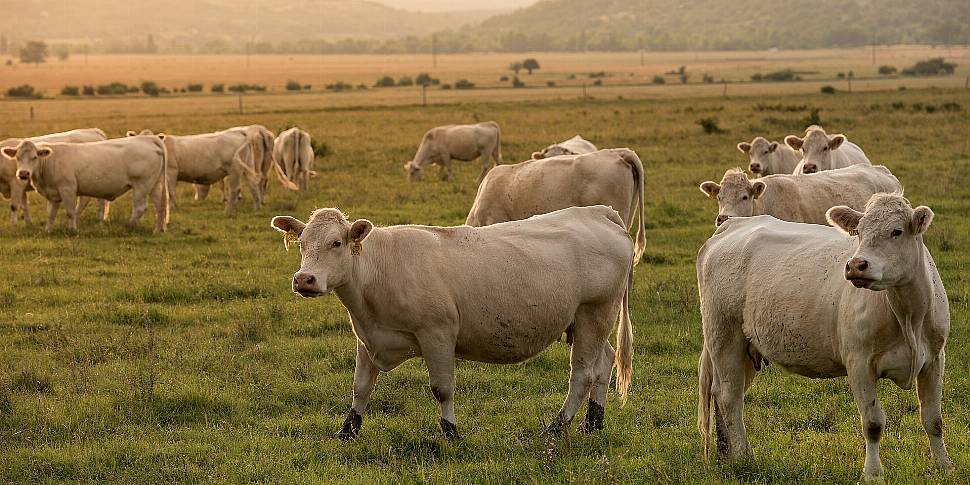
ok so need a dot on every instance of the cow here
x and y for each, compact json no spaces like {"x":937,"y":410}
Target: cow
{"x":103,"y":169}
{"x":208,"y":158}
{"x":443,"y":144}
{"x":821,"y":151}
{"x":608,"y":177}
{"x":294,"y":154}
{"x":573,"y":146}
{"x":798,"y":198}
{"x":261,"y":142}
{"x":769,"y":157}
{"x":16,"y":190}
{"x":863,"y":299}
{"x":516,"y":287}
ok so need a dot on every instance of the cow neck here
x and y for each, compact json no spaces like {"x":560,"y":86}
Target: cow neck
{"x":43,"y":169}
{"x":366,"y":272}
{"x":910,"y":302}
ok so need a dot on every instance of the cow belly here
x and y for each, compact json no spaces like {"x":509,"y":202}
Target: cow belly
{"x":510,"y":337}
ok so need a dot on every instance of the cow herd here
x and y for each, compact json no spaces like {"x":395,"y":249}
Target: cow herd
{"x":817,"y":263}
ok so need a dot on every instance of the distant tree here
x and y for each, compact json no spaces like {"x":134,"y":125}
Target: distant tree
{"x":384,"y":82}
{"x":425,"y":79}
{"x":292,"y":85}
{"x":658,"y":80}
{"x":218,"y":88}
{"x":88,"y":90}
{"x":34,"y":52}
{"x":515,"y":67}
{"x":463,"y":84}
{"x":194,"y":88}
{"x":70,"y":91}
{"x":530,"y":65}
{"x":150,"y":46}
{"x":150,"y":88}
{"x":517,"y":83}
{"x":405,"y":81}
{"x":887,"y":70}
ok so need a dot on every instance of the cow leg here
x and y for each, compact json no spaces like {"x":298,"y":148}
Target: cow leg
{"x":862,"y":381}
{"x":159,"y":203}
{"x":52,"y":207}
{"x":104,"y":210}
{"x":82,"y":203}
{"x":596,"y":408}
{"x":365,"y":376}
{"x":439,"y":355}
{"x":733,"y":371}
{"x":487,"y":162}
{"x":173,"y":177}
{"x":591,"y":328}
{"x":139,"y":203}
{"x":254,"y":189}
{"x":69,"y":197}
{"x":929,"y":389}
{"x":201,"y":191}
{"x":233,"y":194}
{"x":447,"y":174}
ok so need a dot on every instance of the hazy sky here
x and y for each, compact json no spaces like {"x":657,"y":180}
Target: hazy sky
{"x":444,"y":5}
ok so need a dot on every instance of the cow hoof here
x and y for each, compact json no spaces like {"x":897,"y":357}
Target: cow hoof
{"x":594,"y":418}
{"x":558,"y":426}
{"x":449,"y":429}
{"x":351,"y":426}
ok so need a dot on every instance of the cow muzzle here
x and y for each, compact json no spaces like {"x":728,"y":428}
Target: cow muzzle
{"x":721,"y":219}
{"x":23,"y":175}
{"x":810,"y":168}
{"x":755,"y":168}
{"x":306,"y":285}
{"x":857,"y":273}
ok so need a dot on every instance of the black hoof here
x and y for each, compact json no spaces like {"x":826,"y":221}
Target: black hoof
{"x":449,"y":429}
{"x":594,"y":417}
{"x":558,"y":426}
{"x":351,"y":426}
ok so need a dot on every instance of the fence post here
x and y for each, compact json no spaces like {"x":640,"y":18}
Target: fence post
{"x":424,"y":95}
{"x":31,"y":113}
{"x":584,"y":91}
{"x":240,"y":104}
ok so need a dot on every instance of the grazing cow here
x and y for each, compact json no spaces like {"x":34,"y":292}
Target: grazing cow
{"x":798,"y":198}
{"x":516,"y":288}
{"x":864,"y":301}
{"x":443,"y":144}
{"x":16,"y":190}
{"x":210,"y":157}
{"x":769,"y":157}
{"x":821,"y":151}
{"x":261,"y":142}
{"x":573,"y":146}
{"x":103,"y":169}
{"x":607,"y":177}
{"x":294,"y":154}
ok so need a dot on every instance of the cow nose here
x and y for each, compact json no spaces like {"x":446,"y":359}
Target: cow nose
{"x":23,"y":174}
{"x":856,"y":266}
{"x":755,"y":168}
{"x":721,"y":218}
{"x":305,"y":282}
{"x":809,"y":168}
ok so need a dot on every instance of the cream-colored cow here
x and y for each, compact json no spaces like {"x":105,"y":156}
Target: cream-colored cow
{"x":769,"y":157}
{"x":443,"y":144}
{"x":821,"y":151}
{"x":573,"y":146}
{"x":293,"y":152}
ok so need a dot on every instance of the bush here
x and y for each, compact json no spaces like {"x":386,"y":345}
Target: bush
{"x":88,"y":90}
{"x":150,"y":88}
{"x":887,"y":70}
{"x":503,"y":79}
{"x":405,"y":81}
{"x":218,"y":88}
{"x":658,"y":79}
{"x":710,"y":125}
{"x":828,"y":90}
{"x":598,"y":82}
{"x":931,"y":67}
{"x":517,"y":83}
{"x":242,"y":88}
{"x":384,"y":82}
{"x":113,"y":89}
{"x":446,"y":86}
{"x":813,"y":118}
{"x":320,"y":148}
{"x":840,"y":75}
{"x":194,"y":88}
{"x":361,"y":86}
{"x":339,"y":86}
{"x":756,"y":77}
{"x":292,"y":85}
{"x":464,"y":84}
{"x":708,"y":79}
{"x":71,"y":91}
{"x":951,"y":106}
{"x":307,"y":87}
{"x":594,"y":75}
{"x":551,"y":84}
{"x":425,"y":79}
{"x":783,"y":75}
{"x":24,"y":91}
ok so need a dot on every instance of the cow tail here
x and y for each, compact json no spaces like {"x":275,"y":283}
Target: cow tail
{"x":636,"y":165}
{"x":247,"y":166}
{"x":624,"y":344}
{"x":283,"y":178}
{"x":705,"y":377}
{"x":166,"y":194}
{"x":497,"y":152}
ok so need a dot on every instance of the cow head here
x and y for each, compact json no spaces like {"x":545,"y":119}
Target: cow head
{"x":28,"y":157}
{"x":735,"y":195}
{"x":761,"y":153}
{"x":328,"y":244}
{"x":414,"y":171}
{"x":552,"y":151}
{"x":816,"y":148}
{"x":890,"y":236}
{"x":146,"y":131}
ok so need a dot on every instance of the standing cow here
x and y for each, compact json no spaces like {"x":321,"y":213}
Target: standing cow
{"x":607,"y":177}
{"x":769,"y":157}
{"x":821,"y":151}
{"x":294,"y":153}
{"x":864,"y":301}
{"x":798,"y":198}
{"x":104,"y":170}
{"x":16,"y":190}
{"x":519,"y":285}
{"x":443,"y":144}
{"x":573,"y":146}
{"x":261,"y":144}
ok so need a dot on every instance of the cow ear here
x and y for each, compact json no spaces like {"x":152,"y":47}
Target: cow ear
{"x":360,"y":229}
{"x":846,"y":219}
{"x":744,"y":147}
{"x":757,"y":189}
{"x":836,"y":141}
{"x":161,"y":136}
{"x":536,"y":155}
{"x":794,"y":142}
{"x":44,"y":152}
{"x":772,"y":147}
{"x":131,"y":133}
{"x":10,"y":152}
{"x":710,"y":189}
{"x":922,"y":218}
{"x":288,"y":224}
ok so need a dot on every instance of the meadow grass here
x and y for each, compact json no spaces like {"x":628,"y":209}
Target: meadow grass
{"x":184,"y":357}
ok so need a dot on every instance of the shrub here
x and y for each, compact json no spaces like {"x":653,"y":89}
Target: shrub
{"x":503,"y":79}
{"x":598,"y":82}
{"x":320,"y":148}
{"x":194,"y":88}
{"x":951,"y":106}
{"x":551,"y":84}
{"x":425,"y":79}
{"x":405,"y":81}
{"x":840,"y":75}
{"x":446,"y":86}
{"x":813,"y":118}
{"x":218,"y":88}
{"x":242,"y":88}
{"x":384,"y":82}
{"x":594,"y":75}
{"x":887,"y":70}
{"x":112,"y":89}
{"x":898,"y":105}
{"x":88,"y":90}
{"x":658,"y":79}
{"x":517,"y":83}
{"x":307,"y":87}
{"x":464,"y":84}
{"x":339,"y":86}
{"x":133,"y":89}
{"x":756,"y":77}
{"x":828,"y":90}
{"x":710,"y":125}
{"x":292,"y":85}
{"x":150,"y":88}
{"x":783,"y":75}
{"x":930,"y":67}
{"x":361,"y":86}
{"x":708,"y":79}
{"x":70,"y":91}
{"x":24,"y":91}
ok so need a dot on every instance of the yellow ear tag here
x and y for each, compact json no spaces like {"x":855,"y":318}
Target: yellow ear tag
{"x":355,"y":249}
{"x":288,"y":238}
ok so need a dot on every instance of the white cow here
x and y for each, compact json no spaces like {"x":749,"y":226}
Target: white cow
{"x":798,"y":198}
{"x":498,"y":294}
{"x":821,"y":151}
{"x":103,"y":169}
{"x":443,"y":144}
{"x":293,"y":152}
{"x":573,"y":146}
{"x":210,"y":157}
{"x":769,"y":157}
{"x":864,"y":301}
{"x":607,"y":177}
{"x":16,"y":190}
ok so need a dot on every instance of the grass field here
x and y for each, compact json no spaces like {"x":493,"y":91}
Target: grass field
{"x":185,"y":358}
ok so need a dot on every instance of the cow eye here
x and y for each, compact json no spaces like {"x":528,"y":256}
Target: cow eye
{"x":825,"y":149}
{"x":744,"y":198}
{"x":336,"y":244}
{"x":897,"y":232}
